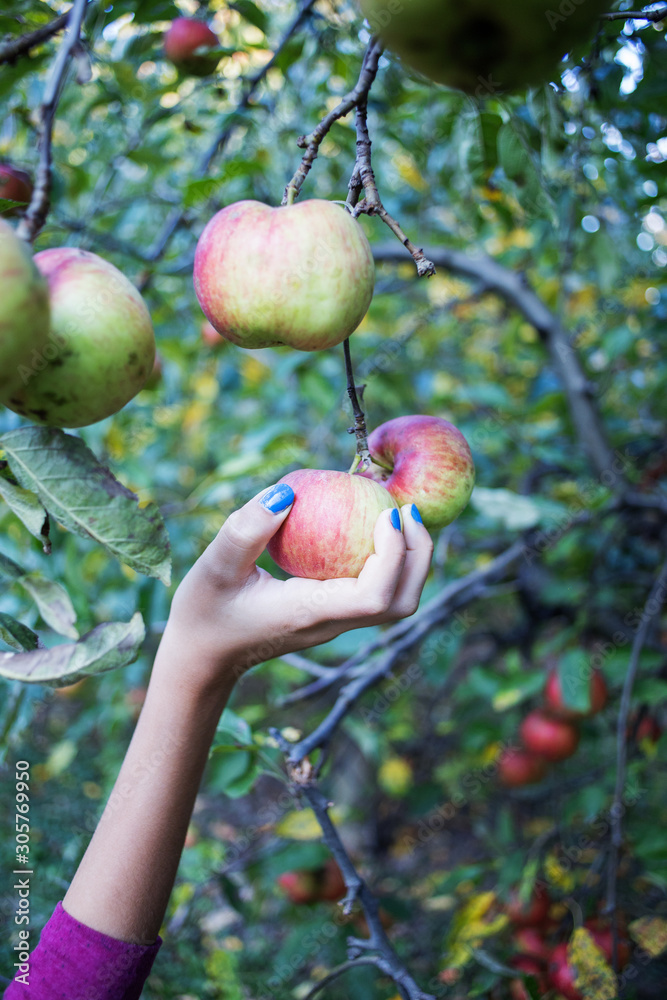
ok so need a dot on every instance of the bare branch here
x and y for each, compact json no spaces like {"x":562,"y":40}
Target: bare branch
{"x":37,"y":211}
{"x":363,"y":455}
{"x":341,"y":970}
{"x":10,"y":51}
{"x":637,"y":15}
{"x":652,"y":609}
{"x":513,"y":287}
{"x":378,"y":947}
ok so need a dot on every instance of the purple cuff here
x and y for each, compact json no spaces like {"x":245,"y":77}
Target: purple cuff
{"x":74,"y":962}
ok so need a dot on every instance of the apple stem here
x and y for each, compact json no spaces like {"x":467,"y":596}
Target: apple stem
{"x":363,"y":456}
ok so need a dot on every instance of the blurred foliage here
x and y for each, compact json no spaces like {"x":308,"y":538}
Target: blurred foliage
{"x":565,"y":185}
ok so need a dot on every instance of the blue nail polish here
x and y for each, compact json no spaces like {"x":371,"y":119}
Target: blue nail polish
{"x":278,"y":497}
{"x":416,"y":515}
{"x":396,"y":518}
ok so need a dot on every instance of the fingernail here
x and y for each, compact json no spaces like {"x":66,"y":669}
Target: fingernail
{"x":416,"y":515}
{"x":396,"y":518}
{"x":278,"y":497}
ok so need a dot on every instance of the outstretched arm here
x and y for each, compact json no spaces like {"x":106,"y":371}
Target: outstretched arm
{"x":226,"y":616}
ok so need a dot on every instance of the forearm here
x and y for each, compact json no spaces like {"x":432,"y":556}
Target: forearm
{"x":123,"y":883}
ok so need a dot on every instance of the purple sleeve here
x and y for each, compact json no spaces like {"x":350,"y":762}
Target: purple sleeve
{"x":74,"y":962}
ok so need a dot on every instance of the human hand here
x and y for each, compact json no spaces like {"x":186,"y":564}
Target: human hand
{"x":228,"y":614}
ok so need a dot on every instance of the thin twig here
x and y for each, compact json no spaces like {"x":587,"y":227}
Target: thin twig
{"x":377,"y":946}
{"x":637,"y":15}
{"x":652,"y":608}
{"x":363,"y":459}
{"x":339,"y":971}
{"x":11,"y":51}
{"x":311,"y":143}
{"x":37,"y":211}
{"x":372,"y":203}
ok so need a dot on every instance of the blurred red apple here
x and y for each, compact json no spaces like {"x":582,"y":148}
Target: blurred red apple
{"x":329,"y":531}
{"x":332,"y":882}
{"x":187,"y":45}
{"x":529,"y":967}
{"x":301,"y":275}
{"x":210,"y":335}
{"x":324,"y":884}
{"x":517,"y":767}
{"x":532,"y":913}
{"x":554,"y":701}
{"x":15,"y":185}
{"x":529,"y":941}
{"x":423,"y":460}
{"x":602,"y":934}
{"x":561,"y":974}
{"x":554,"y":739}
{"x":648,"y":729}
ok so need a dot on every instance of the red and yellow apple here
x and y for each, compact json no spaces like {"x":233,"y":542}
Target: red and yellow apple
{"x":188,"y":44}
{"x":518,"y":767}
{"x":556,"y":703}
{"x":481,"y":46}
{"x":426,"y":461}
{"x":103,"y":343}
{"x":15,"y":185}
{"x":329,"y":531}
{"x":549,"y":737}
{"x":24,"y":312}
{"x":300,"y":275}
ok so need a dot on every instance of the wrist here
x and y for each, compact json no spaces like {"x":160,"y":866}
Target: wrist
{"x":191,"y":669}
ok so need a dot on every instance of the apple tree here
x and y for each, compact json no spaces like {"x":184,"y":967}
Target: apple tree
{"x":469,"y":802}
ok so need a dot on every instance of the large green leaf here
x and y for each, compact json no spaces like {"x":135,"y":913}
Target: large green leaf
{"x":52,"y":600}
{"x":86,"y":498}
{"x":107,"y":647}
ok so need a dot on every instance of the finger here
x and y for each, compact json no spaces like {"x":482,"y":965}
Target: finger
{"x":247,"y":531}
{"x":419,"y":550}
{"x":372,"y":593}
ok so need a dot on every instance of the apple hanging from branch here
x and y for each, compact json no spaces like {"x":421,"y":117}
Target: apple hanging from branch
{"x":187,"y":45}
{"x":549,"y":737}
{"x":101,"y":350}
{"x":24,"y":311}
{"x":329,"y":531}
{"x":299,"y":275}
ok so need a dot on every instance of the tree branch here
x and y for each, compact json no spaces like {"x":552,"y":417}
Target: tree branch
{"x":637,"y":15}
{"x":363,"y":457}
{"x":513,"y":288}
{"x":38,"y":209}
{"x":378,"y":946}
{"x":341,"y":970}
{"x":10,"y":51}
{"x":652,"y":608}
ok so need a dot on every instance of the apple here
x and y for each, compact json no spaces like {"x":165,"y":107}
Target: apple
{"x":554,"y":739}
{"x":155,"y":377}
{"x":554,"y":701}
{"x":481,"y":46}
{"x":603,"y":936}
{"x":426,"y":461}
{"x":24,"y":312}
{"x":529,"y":967}
{"x":529,"y":941}
{"x":531,"y":913}
{"x":210,"y":335}
{"x":105,"y":344}
{"x":329,"y":531}
{"x":15,"y":185}
{"x":300,"y":275}
{"x":562,"y":975}
{"x":187,"y":44}
{"x":517,"y":767}
{"x":648,"y":729}
{"x":324,"y":884}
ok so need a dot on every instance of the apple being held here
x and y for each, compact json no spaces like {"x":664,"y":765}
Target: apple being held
{"x":426,"y":461}
{"x":300,"y":275}
{"x":556,"y":703}
{"x":329,"y":531}
{"x":15,"y":185}
{"x":187,"y":45}
{"x":24,"y":312}
{"x":554,"y":739}
{"x":103,"y":343}
{"x":518,"y":767}
{"x":482,"y":46}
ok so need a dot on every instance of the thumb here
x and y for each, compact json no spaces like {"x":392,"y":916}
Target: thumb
{"x":246,"y":533}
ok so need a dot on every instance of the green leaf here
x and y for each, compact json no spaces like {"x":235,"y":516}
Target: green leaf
{"x":251,"y":12}
{"x":27,"y":508}
{"x":574,"y":671}
{"x":53,"y":602}
{"x":107,"y":647}
{"x":16,"y":634}
{"x":87,"y":499}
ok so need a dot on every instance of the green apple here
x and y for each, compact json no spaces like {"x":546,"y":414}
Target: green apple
{"x":24,"y":313}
